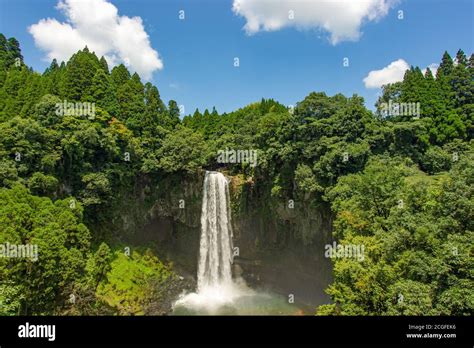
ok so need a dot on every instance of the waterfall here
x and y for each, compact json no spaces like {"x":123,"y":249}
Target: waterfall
{"x":216,"y":290}
{"x":215,"y":251}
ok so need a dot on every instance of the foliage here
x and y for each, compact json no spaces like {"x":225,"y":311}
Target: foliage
{"x":399,"y":185}
{"x":130,"y":279}
{"x":62,"y":242}
{"x":417,"y":233}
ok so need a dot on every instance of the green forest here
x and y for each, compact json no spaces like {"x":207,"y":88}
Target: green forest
{"x":398,"y":184}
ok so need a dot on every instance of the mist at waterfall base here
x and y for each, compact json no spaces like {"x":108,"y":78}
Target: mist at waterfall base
{"x":217,"y":292}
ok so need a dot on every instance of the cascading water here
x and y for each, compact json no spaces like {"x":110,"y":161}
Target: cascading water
{"x":217,"y":292}
{"x":216,"y":287}
{"x":215,"y":252}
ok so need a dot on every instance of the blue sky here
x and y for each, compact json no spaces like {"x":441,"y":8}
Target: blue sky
{"x":285,"y":64}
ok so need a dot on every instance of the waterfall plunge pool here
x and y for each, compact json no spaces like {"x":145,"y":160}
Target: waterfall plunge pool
{"x":236,"y":299}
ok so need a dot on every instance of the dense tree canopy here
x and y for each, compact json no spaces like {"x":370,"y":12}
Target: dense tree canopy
{"x":60,"y":171}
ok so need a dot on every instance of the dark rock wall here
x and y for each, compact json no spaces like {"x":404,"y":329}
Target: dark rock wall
{"x":279,"y":249}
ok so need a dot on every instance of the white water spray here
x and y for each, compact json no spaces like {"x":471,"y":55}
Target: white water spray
{"x":215,"y":251}
{"x":216,"y":288}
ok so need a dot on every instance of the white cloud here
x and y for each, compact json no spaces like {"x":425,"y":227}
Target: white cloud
{"x":96,"y":23}
{"x":433,"y":67}
{"x":394,"y":72}
{"x":342,"y":19}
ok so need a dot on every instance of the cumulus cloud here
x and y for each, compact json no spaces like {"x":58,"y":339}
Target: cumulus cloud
{"x":97,"y":24}
{"x":342,"y":19}
{"x":394,"y":72}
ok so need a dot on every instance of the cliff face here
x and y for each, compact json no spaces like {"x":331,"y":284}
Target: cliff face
{"x":279,"y":245}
